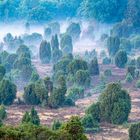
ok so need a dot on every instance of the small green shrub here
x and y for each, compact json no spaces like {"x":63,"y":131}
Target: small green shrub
{"x":75,"y":93}
{"x":108,"y":73}
{"x":129,"y":78}
{"x":138,"y":84}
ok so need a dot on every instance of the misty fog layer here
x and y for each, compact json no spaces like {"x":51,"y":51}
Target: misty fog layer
{"x":84,"y":43}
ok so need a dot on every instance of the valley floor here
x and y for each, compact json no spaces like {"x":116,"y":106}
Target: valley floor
{"x":107,"y":132}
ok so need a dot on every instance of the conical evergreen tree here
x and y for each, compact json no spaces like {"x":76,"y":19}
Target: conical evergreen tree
{"x":45,"y":52}
{"x":56,"y":125}
{"x":54,"y":43}
{"x":94,"y":67}
{"x":34,"y":117}
{"x":26,"y":118}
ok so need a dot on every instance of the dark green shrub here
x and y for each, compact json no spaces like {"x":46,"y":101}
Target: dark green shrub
{"x":75,"y":93}
{"x":138,"y":84}
{"x":94,"y":67}
{"x":56,"y":125}
{"x":57,"y":98}
{"x":66,"y":44}
{"x":32,"y":39}
{"x":103,"y":37}
{"x":2,"y":72}
{"x":77,"y":64}
{"x":30,"y":96}
{"x":69,"y":102}
{"x":26,"y":117}
{"x":108,"y":72}
{"x":131,"y":70}
{"x":82,"y":78}
{"x":121,"y":59}
{"x":23,"y":49}
{"x":7,"y":92}
{"x":74,"y":30}
{"x":138,"y":62}
{"x":45,"y":52}
{"x":54,"y":43}
{"x":113,"y":44}
{"x":136,"y":42}
{"x":3,"y":57}
{"x":125,"y":45}
{"x":56,"y":55}
{"x":31,"y":117}
{"x":89,"y":123}
{"x":115,"y":104}
{"x":134,"y":132}
{"x":3,"y":113}
{"x":9,"y":65}
{"x":77,"y":133}
{"x":34,"y":117}
{"x":129,"y":78}
{"x":48,"y":84}
{"x":122,"y":30}
{"x":62,"y":65}
{"x":34,"y":77}
{"x":35,"y":93}
{"x":103,"y":54}
{"x":94,"y":110}
{"x":106,"y":61}
{"x":57,"y":74}
{"x":131,"y":62}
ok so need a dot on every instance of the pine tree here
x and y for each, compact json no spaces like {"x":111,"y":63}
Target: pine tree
{"x":3,"y":113}
{"x":26,"y":118}
{"x":45,"y":52}
{"x":34,"y":117}
{"x":54,"y":43}
{"x":56,"y":125}
{"x":94,"y":67}
{"x":113,"y":44}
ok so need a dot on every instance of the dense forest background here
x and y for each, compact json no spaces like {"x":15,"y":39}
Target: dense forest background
{"x":108,"y":11}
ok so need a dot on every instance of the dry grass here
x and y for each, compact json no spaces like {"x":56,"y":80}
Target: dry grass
{"x":108,"y":132}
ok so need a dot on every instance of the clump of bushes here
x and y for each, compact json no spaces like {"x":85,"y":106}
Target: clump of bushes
{"x":129,"y":78}
{"x":136,"y":42}
{"x":106,"y":61}
{"x":107,"y":73}
{"x":35,"y":93}
{"x":75,"y":93}
{"x":121,"y":59}
{"x":82,"y":78}
{"x":45,"y":52}
{"x":138,"y":84}
{"x":131,"y":70}
{"x":134,"y":133}
{"x":74,"y":30}
{"x":7,"y":92}
{"x":71,"y":130}
{"x":56,"y":125}
{"x":113,"y":44}
{"x":113,"y":106}
{"x":94,"y":67}
{"x":31,"y":117}
{"x":89,"y":124}
{"x":66,"y":44}
{"x":3,"y":113}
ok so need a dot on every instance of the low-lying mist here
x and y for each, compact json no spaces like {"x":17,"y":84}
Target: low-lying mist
{"x":89,"y":38}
